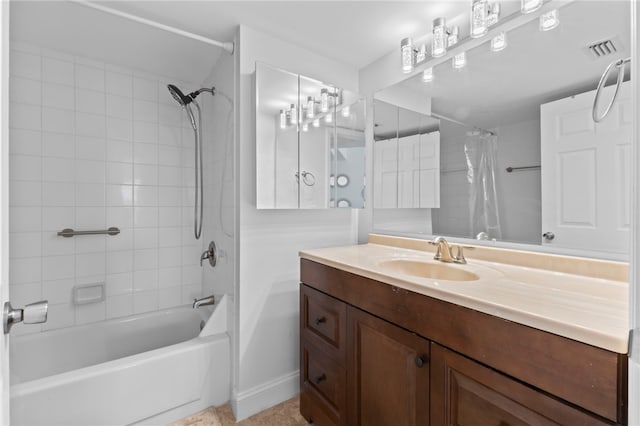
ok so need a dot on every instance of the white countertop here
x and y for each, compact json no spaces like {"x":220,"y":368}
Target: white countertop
{"x":586,"y":309}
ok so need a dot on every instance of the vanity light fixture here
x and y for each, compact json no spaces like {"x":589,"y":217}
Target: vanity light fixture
{"x":493,"y":14}
{"x":499,"y":42}
{"x":439,"y":40}
{"x":346,"y":111}
{"x":293,"y":113}
{"x":529,"y":6}
{"x":316,"y":122}
{"x":283,"y":119}
{"x":421,"y":55}
{"x":479,"y":24}
{"x":310,"y":107}
{"x":459,"y":61}
{"x":324,"y":100}
{"x":406,"y":50}
{"x":549,"y":20}
{"x":427,"y":75}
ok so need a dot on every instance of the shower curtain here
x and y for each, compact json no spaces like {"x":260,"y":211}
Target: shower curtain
{"x":480,"y":150}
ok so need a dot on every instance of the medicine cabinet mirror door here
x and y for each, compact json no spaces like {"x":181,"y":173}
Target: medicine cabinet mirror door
{"x":309,"y":143}
{"x":276,"y":139}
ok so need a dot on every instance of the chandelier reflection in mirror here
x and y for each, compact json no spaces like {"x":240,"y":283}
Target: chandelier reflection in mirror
{"x":323,"y":106}
{"x":484,"y":15}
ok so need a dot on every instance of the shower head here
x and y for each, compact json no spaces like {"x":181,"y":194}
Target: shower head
{"x":180,"y":97}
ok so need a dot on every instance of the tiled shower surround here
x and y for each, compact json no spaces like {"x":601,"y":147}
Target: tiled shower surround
{"x":94,"y":145}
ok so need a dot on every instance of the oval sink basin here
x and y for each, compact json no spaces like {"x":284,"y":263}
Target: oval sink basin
{"x":436,"y":271}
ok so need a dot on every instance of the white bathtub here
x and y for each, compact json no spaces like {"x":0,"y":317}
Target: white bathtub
{"x":151,"y":369}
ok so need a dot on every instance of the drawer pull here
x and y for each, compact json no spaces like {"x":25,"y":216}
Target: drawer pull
{"x":320,"y":320}
{"x":420,"y":361}
{"x":320,"y":378}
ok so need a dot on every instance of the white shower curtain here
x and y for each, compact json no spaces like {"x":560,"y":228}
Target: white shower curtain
{"x":480,"y":150}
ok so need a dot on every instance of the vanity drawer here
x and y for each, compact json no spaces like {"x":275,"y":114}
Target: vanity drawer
{"x":323,"y":322}
{"x":323,"y":387}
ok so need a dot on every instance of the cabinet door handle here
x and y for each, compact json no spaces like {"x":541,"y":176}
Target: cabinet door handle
{"x":320,"y":320}
{"x":320,"y":378}
{"x":420,"y":361}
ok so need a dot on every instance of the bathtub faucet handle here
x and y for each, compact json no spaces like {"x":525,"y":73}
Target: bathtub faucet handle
{"x":211,"y":253}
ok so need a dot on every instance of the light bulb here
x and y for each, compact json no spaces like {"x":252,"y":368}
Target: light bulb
{"x":406,"y":52}
{"x":499,"y":42}
{"x":305,"y":127}
{"x":324,"y":100}
{"x":328,"y":118}
{"x":316,"y":122}
{"x":459,"y":61}
{"x":346,"y":111}
{"x":479,"y":24}
{"x":283,"y":119}
{"x":439,"y":40}
{"x":493,"y":14}
{"x":293,"y":112}
{"x":422,"y":54}
{"x":310,"y":107}
{"x":549,"y":20}
{"x":528,"y":6}
{"x":427,"y":75}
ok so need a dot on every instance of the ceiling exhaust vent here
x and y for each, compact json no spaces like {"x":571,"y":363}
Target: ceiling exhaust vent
{"x":603,"y":48}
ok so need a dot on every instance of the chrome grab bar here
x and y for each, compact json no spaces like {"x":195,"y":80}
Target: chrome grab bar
{"x":68,"y":232}
{"x":619,"y":64}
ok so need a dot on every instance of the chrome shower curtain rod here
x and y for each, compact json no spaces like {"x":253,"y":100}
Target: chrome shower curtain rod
{"x":227,"y":46}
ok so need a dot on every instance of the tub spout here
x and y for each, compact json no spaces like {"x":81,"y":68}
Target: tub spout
{"x":209,"y":300}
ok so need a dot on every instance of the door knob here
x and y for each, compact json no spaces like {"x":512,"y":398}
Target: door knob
{"x":548,"y":236}
{"x":33,"y":313}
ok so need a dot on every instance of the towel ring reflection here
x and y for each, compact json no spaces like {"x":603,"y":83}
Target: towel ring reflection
{"x":619,"y":64}
{"x":307,"y":178}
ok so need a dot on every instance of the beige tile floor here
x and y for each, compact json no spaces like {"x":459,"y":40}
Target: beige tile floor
{"x":284,"y":414}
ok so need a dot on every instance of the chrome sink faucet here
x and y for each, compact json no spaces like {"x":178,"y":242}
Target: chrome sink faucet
{"x":444,"y":253}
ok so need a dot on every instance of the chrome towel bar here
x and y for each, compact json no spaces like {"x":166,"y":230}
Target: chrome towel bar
{"x":619,"y":65}
{"x":515,"y":169}
{"x":68,"y":232}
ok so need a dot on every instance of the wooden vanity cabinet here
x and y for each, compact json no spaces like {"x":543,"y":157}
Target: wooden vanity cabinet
{"x":466,"y":393}
{"x":388,"y":380}
{"x":375,"y":354}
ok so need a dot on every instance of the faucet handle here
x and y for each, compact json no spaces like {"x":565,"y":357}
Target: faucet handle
{"x":459,"y":257}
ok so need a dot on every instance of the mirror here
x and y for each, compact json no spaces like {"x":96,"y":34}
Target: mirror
{"x":525,"y":110}
{"x":307,"y":133}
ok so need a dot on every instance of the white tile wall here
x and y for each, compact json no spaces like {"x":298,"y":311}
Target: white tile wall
{"x":94,"y":145}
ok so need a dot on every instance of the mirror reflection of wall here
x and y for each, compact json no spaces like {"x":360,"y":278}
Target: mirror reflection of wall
{"x":307,"y":132}
{"x":558,"y":192}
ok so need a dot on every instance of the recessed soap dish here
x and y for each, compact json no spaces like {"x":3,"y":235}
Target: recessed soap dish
{"x":88,"y":293}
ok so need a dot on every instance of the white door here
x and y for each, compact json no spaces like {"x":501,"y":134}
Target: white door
{"x":586,"y":172}
{"x":4,"y":205}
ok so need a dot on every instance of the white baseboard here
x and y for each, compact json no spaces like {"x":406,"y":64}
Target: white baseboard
{"x":252,"y":401}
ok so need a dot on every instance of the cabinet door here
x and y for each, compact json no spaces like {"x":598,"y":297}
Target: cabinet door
{"x":465,"y":393}
{"x":388,"y":373}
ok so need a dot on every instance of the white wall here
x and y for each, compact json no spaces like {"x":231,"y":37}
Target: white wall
{"x":266,"y":347}
{"x":518,"y":192}
{"x":219,"y":223}
{"x":95,"y":145}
